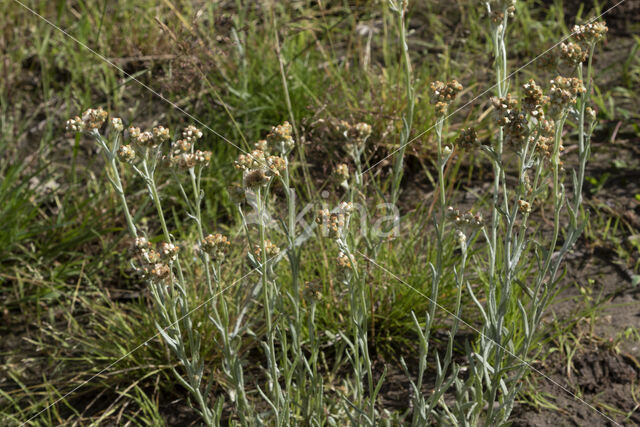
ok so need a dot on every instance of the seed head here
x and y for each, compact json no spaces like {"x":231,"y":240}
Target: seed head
{"x":255,"y":178}
{"x":468,"y":139}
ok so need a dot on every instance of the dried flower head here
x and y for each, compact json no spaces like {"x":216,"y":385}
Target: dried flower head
{"x":169,"y":251}
{"x":216,"y":245}
{"x":276,"y":164}
{"x":500,"y":8}
{"x":590,"y":33}
{"x":202,"y":157}
{"x":341,"y":174}
{"x":253,"y":160}
{"x":468,"y":139}
{"x":262,"y":145}
{"x":572,"y":53}
{"x":332,"y":223}
{"x":563,"y":94}
{"x":142,"y":244}
{"x":191,"y":133}
{"x":116,"y":124}
{"x":533,"y":100}
{"x":443,"y":94}
{"x":513,"y":120}
{"x":543,"y":136}
{"x":133,"y":133}
{"x":94,"y":118}
{"x":182,"y":146}
{"x":269,"y":248}
{"x":360,"y":131}
{"x":525,"y":206}
{"x":346,"y":262}
{"x":255,"y":178}
{"x":466,"y":220}
{"x":280,"y":138}
{"x":160,"y":134}
{"x":505,"y":108}
{"x":74,"y":124}
{"x":160,"y":272}
{"x":126,"y":154}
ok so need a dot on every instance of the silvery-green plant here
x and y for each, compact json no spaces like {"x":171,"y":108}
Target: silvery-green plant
{"x":517,"y":265}
{"x":161,"y":265}
{"x":300,"y":396}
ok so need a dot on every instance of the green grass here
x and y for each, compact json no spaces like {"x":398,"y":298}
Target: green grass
{"x":71,"y":302}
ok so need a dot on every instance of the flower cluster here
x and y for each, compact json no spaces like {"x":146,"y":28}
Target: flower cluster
{"x":258,"y":165}
{"x":346,"y":262}
{"x":341,"y":174}
{"x":333,"y":222}
{"x":126,"y":154}
{"x":563,"y":94}
{"x":525,"y":206}
{"x":269,"y":248}
{"x":443,"y":94}
{"x":468,"y":139}
{"x":513,"y":120}
{"x":155,"y":265}
{"x":465,"y":219}
{"x":356,"y":135}
{"x":216,"y":245}
{"x":502,"y":8}
{"x":573,"y":53}
{"x":91,"y":119}
{"x":280,"y":138}
{"x":533,"y":100}
{"x":182,"y":154}
{"x":169,"y":251}
{"x":543,"y":137}
{"x":116,"y":124}
{"x":590,"y":33}
{"x":142,"y":139}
